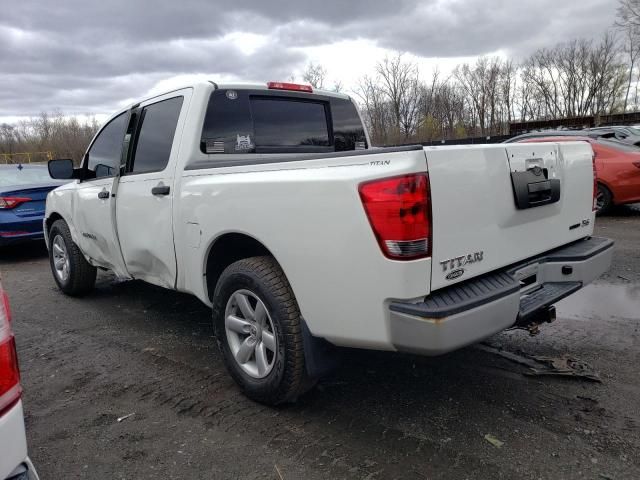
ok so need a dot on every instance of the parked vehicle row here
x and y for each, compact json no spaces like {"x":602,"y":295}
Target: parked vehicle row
{"x":617,"y":164}
{"x":268,"y":204}
{"x":624,"y":134}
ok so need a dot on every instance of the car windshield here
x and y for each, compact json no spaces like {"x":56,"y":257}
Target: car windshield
{"x":18,"y":175}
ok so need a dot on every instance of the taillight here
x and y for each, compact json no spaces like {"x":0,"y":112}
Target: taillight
{"x":12,"y":202}
{"x":594,"y":205}
{"x":4,"y":303}
{"x":296,"y":87}
{"x":10,"y":389}
{"x":399,"y":211}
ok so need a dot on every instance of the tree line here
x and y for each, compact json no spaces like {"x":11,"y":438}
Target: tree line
{"x":63,"y":136}
{"x":571,"y":79}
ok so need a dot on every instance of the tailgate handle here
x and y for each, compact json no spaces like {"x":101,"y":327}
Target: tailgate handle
{"x":532,"y":188}
{"x":540,"y":187}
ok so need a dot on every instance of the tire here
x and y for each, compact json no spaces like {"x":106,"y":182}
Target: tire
{"x":604,"y":200}
{"x":77,"y":277}
{"x":274,"y":336}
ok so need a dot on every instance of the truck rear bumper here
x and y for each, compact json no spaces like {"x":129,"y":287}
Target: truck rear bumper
{"x":470,"y":311}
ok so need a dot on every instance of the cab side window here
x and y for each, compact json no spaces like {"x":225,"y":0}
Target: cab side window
{"x":104,"y":154}
{"x":157,"y":128}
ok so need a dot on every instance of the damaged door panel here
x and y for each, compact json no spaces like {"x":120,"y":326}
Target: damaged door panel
{"x":145,"y":195}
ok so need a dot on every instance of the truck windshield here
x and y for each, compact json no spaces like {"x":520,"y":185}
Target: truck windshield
{"x":261,"y":121}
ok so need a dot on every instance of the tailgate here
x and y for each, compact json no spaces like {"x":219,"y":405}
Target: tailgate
{"x":494,"y":205}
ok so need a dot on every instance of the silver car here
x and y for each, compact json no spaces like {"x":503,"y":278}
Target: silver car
{"x":629,"y":135}
{"x":624,"y":134}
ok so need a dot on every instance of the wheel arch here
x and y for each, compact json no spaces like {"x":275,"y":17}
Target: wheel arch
{"x":55,"y":216}
{"x":321,"y":357}
{"x":227,"y":249}
{"x":49,"y":221}
{"x":605,"y":184}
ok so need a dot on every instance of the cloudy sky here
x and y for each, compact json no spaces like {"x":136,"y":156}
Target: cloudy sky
{"x":93,"y":56}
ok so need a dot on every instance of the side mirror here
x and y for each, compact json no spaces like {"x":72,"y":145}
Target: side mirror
{"x":61,"y":169}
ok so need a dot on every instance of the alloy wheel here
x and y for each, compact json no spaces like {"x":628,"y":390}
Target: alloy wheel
{"x":60,"y":258}
{"x":250,"y":333}
{"x":600,"y":199}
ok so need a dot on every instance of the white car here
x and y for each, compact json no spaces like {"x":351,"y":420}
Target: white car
{"x":268,"y":204}
{"x":14,"y":462}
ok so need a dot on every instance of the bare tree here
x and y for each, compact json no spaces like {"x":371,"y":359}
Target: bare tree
{"x":628,"y":21}
{"x":628,"y":13}
{"x":632,"y":49}
{"x":52,"y":132}
{"x":376,"y":109}
{"x":575,"y":78}
{"x":483,"y":86}
{"x":399,"y":81}
{"x":315,"y":75}
{"x":508,"y":89}
{"x":337,"y":86}
{"x":608,"y":75}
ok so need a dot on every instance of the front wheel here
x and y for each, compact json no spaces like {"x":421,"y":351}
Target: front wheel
{"x":71,"y":271}
{"x":604,"y":200}
{"x":258,"y":328}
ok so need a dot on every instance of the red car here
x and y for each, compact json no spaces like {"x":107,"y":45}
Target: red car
{"x":617,"y":169}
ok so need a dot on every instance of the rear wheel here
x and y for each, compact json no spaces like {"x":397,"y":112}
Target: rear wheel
{"x":604,"y":200}
{"x":258,"y":328}
{"x":71,"y":271}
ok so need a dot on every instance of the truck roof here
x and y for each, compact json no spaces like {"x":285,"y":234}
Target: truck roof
{"x":263,"y":86}
{"x":235,"y":86}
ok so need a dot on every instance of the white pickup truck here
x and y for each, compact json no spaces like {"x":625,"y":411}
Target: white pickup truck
{"x":268,"y":203}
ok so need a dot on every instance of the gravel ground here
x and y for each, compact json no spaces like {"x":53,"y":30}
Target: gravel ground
{"x":146,"y":356}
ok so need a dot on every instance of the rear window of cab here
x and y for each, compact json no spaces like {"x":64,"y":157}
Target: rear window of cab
{"x":261,"y":121}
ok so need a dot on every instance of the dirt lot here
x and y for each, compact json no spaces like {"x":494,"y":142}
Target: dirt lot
{"x":130,"y":348}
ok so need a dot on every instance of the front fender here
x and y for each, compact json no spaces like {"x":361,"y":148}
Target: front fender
{"x":60,"y":205}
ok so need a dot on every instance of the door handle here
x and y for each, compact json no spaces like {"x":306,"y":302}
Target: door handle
{"x":103,"y":194}
{"x":161,"y":190}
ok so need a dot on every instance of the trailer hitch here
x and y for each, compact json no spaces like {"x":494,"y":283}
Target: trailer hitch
{"x":532,"y":322}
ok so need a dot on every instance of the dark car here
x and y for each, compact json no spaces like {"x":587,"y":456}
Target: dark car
{"x":23,"y":193}
{"x":553,"y":133}
{"x":630,"y":135}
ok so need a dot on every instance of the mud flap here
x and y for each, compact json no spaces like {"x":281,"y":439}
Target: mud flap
{"x":321,"y":357}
